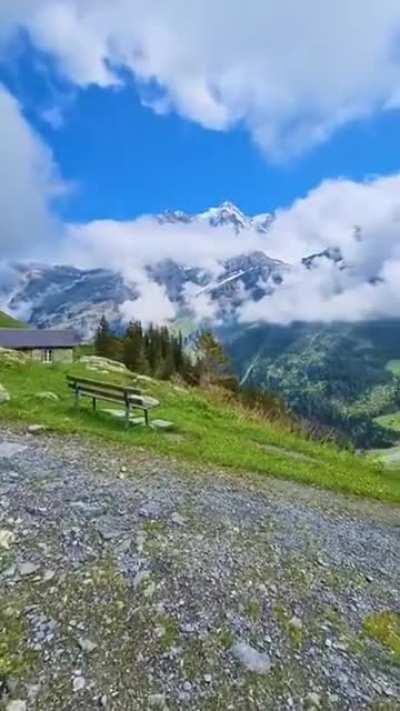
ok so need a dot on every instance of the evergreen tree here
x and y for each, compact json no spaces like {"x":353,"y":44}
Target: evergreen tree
{"x":153,"y":348}
{"x":134,"y":355}
{"x":104,"y":340}
{"x":213,"y":365}
{"x":178,"y":355}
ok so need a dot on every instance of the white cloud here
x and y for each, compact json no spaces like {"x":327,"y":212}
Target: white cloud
{"x":291,"y":71}
{"x":369,"y":286}
{"x":29,"y":182}
{"x":152,"y":305}
{"x":130,"y":246}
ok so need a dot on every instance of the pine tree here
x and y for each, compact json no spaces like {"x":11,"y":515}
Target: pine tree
{"x":104,"y":341}
{"x":213,"y":365}
{"x":134,"y":355}
{"x":177,"y":347}
{"x":153,"y":348}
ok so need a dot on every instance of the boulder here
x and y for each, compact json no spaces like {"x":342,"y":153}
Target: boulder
{"x":36,"y":429}
{"x":144,"y":378}
{"x":251,"y":658}
{"x":164,"y":425}
{"x":47,"y":395}
{"x":4,"y":394}
{"x":8,"y":355}
{"x":104,"y":364}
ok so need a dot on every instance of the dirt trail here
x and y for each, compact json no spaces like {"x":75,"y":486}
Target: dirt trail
{"x":128,"y":584}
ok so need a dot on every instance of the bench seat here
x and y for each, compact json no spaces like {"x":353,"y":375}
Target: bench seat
{"x":131,"y":398}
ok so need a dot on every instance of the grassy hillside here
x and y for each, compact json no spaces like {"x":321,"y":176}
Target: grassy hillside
{"x":206,"y":430}
{"x":7,"y":321}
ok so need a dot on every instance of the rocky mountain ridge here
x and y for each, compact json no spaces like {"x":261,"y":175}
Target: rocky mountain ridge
{"x":63,"y":295}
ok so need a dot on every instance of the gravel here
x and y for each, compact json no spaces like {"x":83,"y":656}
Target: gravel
{"x":181,"y":589}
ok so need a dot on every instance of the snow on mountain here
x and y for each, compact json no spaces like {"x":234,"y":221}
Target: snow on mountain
{"x":171,"y":217}
{"x":225,"y":215}
{"x":332,"y":254}
{"x":59,"y":296}
{"x":64,"y":296}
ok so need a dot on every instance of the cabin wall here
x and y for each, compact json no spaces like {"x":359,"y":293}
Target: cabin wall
{"x":60,"y":355}
{"x":63,"y":355}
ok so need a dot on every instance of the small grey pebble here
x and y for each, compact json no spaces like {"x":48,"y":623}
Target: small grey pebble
{"x":16,"y":705}
{"x":78,"y":683}
{"x":313,"y":700}
{"x":87,"y":645}
{"x":28,"y":568}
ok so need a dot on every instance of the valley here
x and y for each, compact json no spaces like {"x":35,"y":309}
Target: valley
{"x":343,"y":375}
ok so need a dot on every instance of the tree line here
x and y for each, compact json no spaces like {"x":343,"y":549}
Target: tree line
{"x":160,"y":352}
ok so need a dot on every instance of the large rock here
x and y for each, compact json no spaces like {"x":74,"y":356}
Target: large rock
{"x":36,"y":429}
{"x":104,"y":364}
{"x":4,"y":394}
{"x":8,"y":355}
{"x":144,"y":378}
{"x":251,"y":658}
{"x":47,"y":395}
{"x":162,"y":425}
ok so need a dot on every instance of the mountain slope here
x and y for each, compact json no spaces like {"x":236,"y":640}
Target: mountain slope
{"x":7,"y":321}
{"x":335,"y":373}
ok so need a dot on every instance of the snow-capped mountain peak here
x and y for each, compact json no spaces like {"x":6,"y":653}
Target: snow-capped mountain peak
{"x":173,"y":217}
{"x":226,"y":214}
{"x":61,"y":295}
{"x":263,"y":223}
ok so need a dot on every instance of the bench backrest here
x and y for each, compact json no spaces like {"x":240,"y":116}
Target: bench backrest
{"x":101,"y":389}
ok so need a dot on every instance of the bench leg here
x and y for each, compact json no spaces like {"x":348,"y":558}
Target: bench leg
{"x":77,"y":398}
{"x":94,"y":404}
{"x":127,"y":415}
{"x":146,"y":417}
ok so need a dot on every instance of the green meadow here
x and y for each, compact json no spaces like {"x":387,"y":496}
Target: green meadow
{"x":207,"y":430}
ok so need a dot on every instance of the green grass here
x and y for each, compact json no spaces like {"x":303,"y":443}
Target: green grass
{"x":206,"y":431}
{"x":391,"y":422}
{"x":385,"y":628}
{"x":393,"y":366}
{"x":7,"y":321}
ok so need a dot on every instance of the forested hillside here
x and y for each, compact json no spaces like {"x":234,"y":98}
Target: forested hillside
{"x":343,"y":375}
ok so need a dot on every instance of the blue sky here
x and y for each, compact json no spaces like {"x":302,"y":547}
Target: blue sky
{"x":122,"y":159}
{"x":114,"y":110}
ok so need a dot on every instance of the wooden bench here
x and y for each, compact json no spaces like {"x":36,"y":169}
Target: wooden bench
{"x":131,"y":398}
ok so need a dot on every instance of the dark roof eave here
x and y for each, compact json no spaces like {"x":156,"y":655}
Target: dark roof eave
{"x":21,"y":339}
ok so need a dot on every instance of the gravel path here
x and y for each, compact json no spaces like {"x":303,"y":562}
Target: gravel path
{"x":127,"y":583}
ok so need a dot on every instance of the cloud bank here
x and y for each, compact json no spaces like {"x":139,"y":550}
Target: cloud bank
{"x":29,"y":182}
{"x":290,"y":72}
{"x":361,"y":219}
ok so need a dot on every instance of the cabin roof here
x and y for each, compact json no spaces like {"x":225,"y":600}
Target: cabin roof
{"x":41,"y":338}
